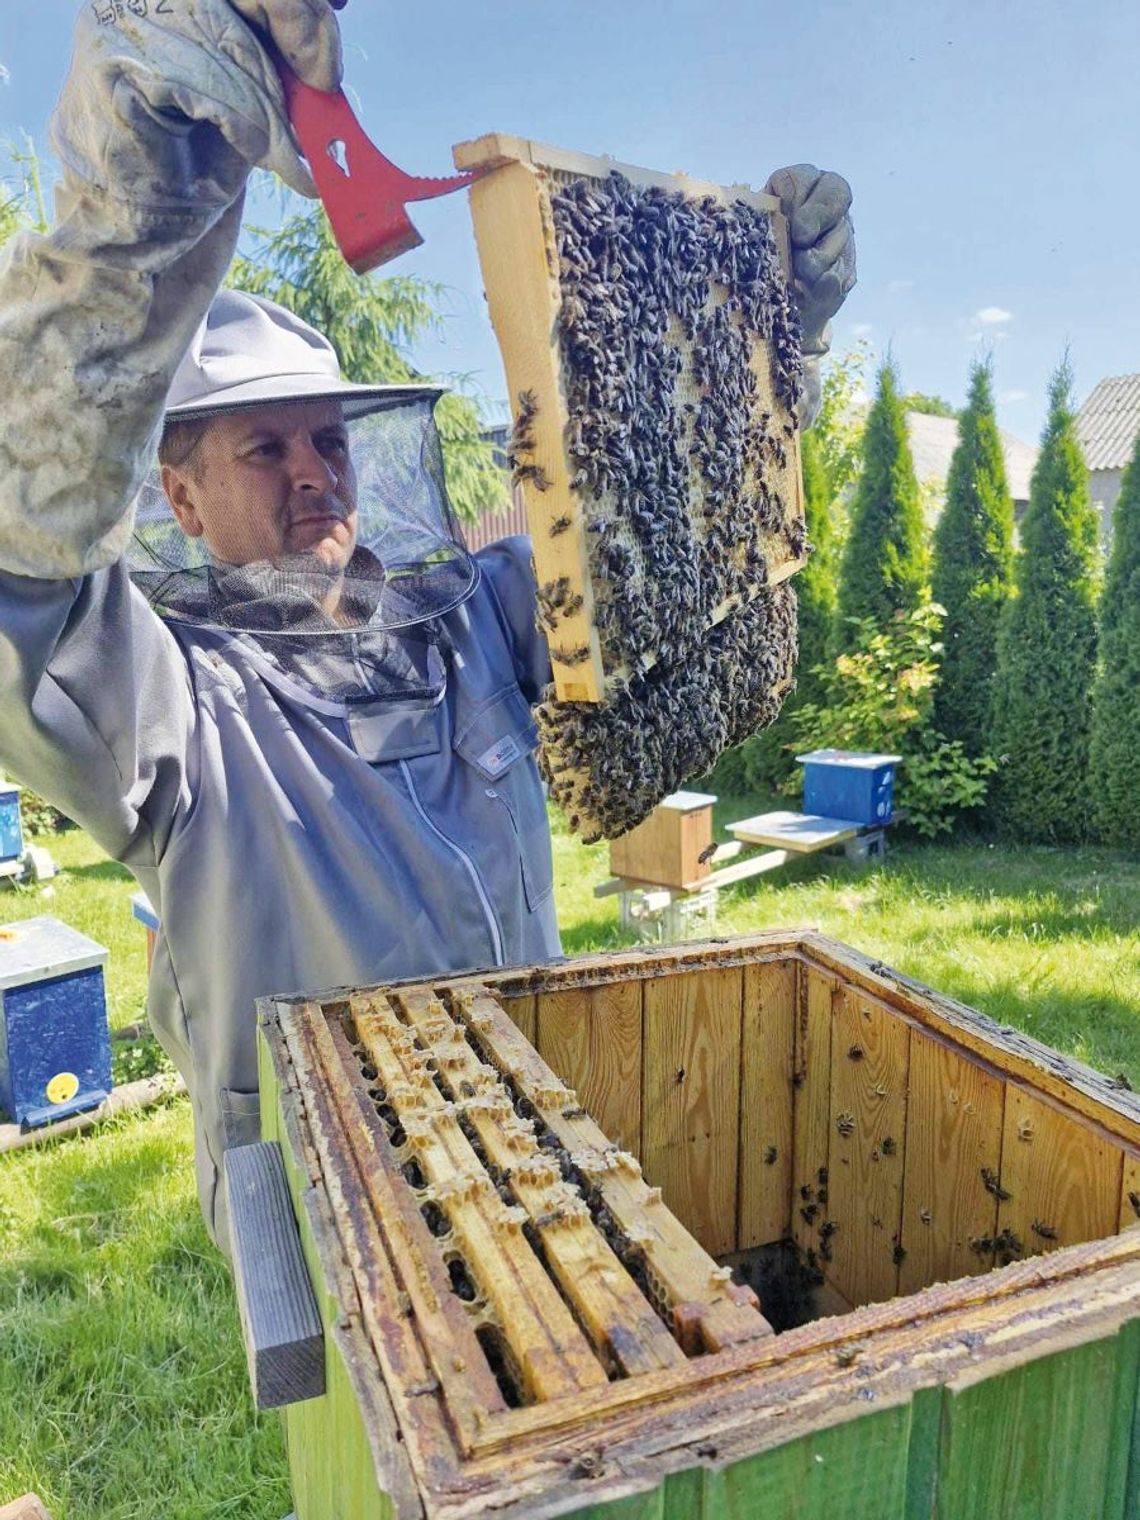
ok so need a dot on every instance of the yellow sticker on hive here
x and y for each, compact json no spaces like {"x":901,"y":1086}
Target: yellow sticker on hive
{"x":64,"y":1085}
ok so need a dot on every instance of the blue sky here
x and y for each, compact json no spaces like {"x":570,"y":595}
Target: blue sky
{"x":992,"y":149}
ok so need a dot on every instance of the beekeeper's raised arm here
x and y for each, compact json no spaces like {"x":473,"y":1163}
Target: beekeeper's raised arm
{"x":161,"y":118}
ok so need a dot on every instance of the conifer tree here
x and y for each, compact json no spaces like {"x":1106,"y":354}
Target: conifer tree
{"x":884,"y":565}
{"x":1115,"y":750}
{"x":972,"y":572}
{"x":1040,"y":716}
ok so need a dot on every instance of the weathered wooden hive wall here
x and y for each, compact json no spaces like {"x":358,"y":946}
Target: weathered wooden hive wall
{"x":652,"y":353}
{"x":519,"y":1322}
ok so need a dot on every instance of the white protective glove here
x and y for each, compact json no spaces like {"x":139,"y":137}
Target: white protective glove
{"x":816,"y":204}
{"x":168,"y":105}
{"x":171,"y":102}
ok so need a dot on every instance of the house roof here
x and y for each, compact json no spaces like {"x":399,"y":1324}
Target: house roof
{"x":934,"y":439}
{"x":1109,"y":421}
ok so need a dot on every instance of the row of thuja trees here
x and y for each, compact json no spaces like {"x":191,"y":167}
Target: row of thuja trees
{"x":1004,"y":670}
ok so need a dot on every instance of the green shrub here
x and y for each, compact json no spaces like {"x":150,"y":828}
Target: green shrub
{"x":1114,"y":760}
{"x":972,"y":574}
{"x":40,"y":817}
{"x":1041,"y":711}
{"x":879,"y":696}
{"x":884,"y":563}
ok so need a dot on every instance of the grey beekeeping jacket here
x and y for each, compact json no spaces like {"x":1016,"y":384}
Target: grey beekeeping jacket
{"x":288,"y":844}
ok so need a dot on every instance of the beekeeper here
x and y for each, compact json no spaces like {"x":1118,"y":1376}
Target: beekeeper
{"x":265,"y":674}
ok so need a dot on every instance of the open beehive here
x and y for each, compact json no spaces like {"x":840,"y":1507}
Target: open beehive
{"x":652,"y":352}
{"x":518,"y":1322}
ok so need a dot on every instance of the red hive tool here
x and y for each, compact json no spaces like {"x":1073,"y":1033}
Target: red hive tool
{"x":364,"y":193}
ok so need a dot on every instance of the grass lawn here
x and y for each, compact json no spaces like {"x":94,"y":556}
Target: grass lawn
{"x":123,"y":1393}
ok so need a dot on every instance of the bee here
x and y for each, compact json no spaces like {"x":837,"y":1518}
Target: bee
{"x":1043,"y":1231}
{"x":560,"y":525}
{"x":898,"y":1255}
{"x":845,"y":1124}
{"x":889,"y":1146}
{"x":993,"y":1185}
{"x":770,"y":1156}
{"x":855,"y":1053}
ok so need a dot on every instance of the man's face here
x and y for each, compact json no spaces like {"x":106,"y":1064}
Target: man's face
{"x":270,"y":482}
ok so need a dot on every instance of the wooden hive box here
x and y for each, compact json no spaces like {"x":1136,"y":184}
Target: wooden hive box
{"x":586,"y":405}
{"x":517,"y":1322}
{"x":673,"y":847}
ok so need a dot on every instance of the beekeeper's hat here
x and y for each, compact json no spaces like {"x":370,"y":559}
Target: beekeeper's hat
{"x":410,"y":563}
{"x":249,"y":351}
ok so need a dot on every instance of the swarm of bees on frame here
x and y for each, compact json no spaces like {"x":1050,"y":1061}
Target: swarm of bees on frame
{"x":675,"y":461}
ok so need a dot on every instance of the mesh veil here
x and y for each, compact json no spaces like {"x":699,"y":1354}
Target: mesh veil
{"x":409,"y":566}
{"x":410,"y":563}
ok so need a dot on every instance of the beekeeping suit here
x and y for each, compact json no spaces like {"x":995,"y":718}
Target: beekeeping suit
{"x":304,"y":810}
{"x":308,"y":800}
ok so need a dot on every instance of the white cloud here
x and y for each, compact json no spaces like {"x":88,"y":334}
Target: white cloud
{"x":4,"y":75}
{"x":1007,"y":398}
{"x":993,"y":316}
{"x":862,"y":330}
{"x":899,"y":287}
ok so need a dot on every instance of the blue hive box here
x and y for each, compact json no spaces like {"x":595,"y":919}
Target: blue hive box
{"x":55,"y":1048}
{"x":11,"y":834}
{"x":845,"y":783}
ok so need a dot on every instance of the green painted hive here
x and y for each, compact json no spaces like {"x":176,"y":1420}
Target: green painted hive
{"x":534,"y":1204}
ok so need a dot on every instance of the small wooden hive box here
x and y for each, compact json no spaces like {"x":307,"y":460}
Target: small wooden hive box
{"x":673,"y":847}
{"x":518,"y":1322}
{"x":55,"y":1050}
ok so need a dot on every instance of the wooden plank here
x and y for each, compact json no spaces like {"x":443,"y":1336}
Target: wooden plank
{"x":1130,"y":1193}
{"x":803,"y":833}
{"x":1122,"y":1483}
{"x":870,"y":1053}
{"x":743,"y":870}
{"x":691,"y":1102}
{"x":346,"y":1451}
{"x":955,"y":1114}
{"x":767,"y":1062}
{"x":1074,"y":1085}
{"x":280,"y":1320}
{"x":592,"y":1038}
{"x":856,"y":1470}
{"x":686,"y":1282}
{"x":811,"y":1113}
{"x":1034,"y":1440}
{"x":519,"y":261}
{"x":552,"y":1354}
{"x":523,"y":1012}
{"x":618,"y":1318}
{"x":1063,"y":1181}
{"x":500,"y":147}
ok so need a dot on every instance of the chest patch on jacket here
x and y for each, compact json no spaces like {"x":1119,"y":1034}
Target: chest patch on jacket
{"x":503,"y":752}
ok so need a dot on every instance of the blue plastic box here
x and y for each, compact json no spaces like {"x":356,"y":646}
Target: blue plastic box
{"x":55,"y":1048}
{"x":11,"y":834}
{"x":844,"y":783}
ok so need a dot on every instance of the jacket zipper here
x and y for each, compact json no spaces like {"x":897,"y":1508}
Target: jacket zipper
{"x":480,"y":889}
